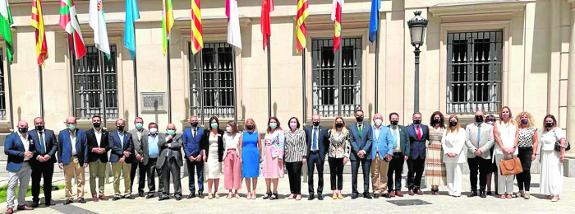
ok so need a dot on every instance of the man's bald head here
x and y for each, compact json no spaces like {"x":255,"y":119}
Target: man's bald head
{"x":71,"y":120}
{"x":22,"y":124}
{"x":171,"y":126}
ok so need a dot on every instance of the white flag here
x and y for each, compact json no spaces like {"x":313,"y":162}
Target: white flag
{"x":234,"y":34}
{"x":98,"y":24}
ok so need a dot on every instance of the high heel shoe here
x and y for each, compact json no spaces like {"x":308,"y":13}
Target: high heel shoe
{"x":268,"y":195}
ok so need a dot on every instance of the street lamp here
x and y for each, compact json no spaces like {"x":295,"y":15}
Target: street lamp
{"x":417,"y":26}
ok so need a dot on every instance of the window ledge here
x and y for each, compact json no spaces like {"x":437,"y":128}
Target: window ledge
{"x":478,"y":7}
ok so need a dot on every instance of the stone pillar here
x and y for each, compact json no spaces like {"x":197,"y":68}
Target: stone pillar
{"x":571,"y":81}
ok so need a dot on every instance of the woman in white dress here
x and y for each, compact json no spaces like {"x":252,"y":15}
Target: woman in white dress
{"x":505,"y":133}
{"x":551,"y":160}
{"x":454,"y":155}
{"x":214,"y":146}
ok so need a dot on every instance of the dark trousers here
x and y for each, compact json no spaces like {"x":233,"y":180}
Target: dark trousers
{"x":294,"y":175}
{"x":415,"y":171}
{"x":395,"y":166}
{"x":39,"y":171}
{"x":478,"y":164}
{"x":365,"y":167}
{"x":151,"y":170}
{"x":198,"y":168}
{"x":133,"y":171}
{"x":172,"y":168}
{"x":336,"y":173}
{"x":524,"y":178}
{"x":141,"y":169}
{"x":315,"y":160}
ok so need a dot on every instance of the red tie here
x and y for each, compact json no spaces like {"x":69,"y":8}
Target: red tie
{"x":418,"y":131}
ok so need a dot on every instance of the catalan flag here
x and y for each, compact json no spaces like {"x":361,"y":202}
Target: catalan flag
{"x":5,"y":28}
{"x":301,"y":33}
{"x":167,"y":23}
{"x":38,"y":24}
{"x":197,"y":31}
{"x":336,"y":18}
{"x":267,"y":7}
{"x":69,"y":22}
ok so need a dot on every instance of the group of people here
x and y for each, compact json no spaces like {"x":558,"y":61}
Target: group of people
{"x":439,"y":151}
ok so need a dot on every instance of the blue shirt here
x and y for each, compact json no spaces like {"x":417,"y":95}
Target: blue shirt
{"x":153,"y":150}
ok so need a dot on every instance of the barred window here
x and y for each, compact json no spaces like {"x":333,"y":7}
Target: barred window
{"x":212,"y":80}
{"x":87,"y":88}
{"x":336,"y":77}
{"x":474,"y":71}
{"x":2,"y":87}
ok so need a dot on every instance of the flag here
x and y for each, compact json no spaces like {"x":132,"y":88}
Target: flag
{"x":5,"y":28}
{"x":167,"y":23}
{"x":132,"y":14}
{"x":336,"y":18}
{"x":98,"y":25}
{"x":301,"y":33}
{"x":38,"y":24}
{"x":234,"y":34}
{"x":69,"y":22}
{"x":267,"y":7}
{"x":374,"y":20}
{"x":197,"y":31}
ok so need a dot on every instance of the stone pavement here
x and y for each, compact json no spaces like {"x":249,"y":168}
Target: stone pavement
{"x":434,"y":204}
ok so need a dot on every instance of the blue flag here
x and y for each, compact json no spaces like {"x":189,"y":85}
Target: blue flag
{"x":132,"y":14}
{"x":374,"y":20}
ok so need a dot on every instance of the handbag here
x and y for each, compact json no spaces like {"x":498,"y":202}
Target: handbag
{"x":510,"y":166}
{"x":558,"y":143}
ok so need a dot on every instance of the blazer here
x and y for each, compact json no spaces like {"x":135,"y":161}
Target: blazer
{"x":14,"y":148}
{"x":192,"y":145}
{"x":384,"y":143}
{"x":143,"y":148}
{"x":51,"y":145}
{"x":486,"y":140}
{"x":454,"y":142}
{"x":322,"y":141}
{"x":136,"y":140}
{"x":115,"y":145}
{"x":418,"y":146}
{"x":206,"y":144}
{"x":360,"y":141}
{"x":65,"y":147}
{"x":93,"y":143}
{"x":403,"y":140}
{"x":174,"y":150}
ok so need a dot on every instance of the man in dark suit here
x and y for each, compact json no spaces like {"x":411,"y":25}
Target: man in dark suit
{"x":170,"y":162}
{"x":98,"y":148}
{"x":400,"y":154}
{"x":317,"y":148}
{"x":20,"y":150}
{"x":360,"y":140}
{"x":149,"y":149}
{"x":138,"y":132}
{"x":418,"y":137}
{"x":43,"y":164}
{"x":192,"y":141}
{"x":73,"y":158}
{"x":120,"y":142}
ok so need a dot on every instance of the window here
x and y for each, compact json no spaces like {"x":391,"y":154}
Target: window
{"x":336,"y":77}
{"x":212,"y":81}
{"x":2,"y":87}
{"x":88,"y":97}
{"x":474,"y":71}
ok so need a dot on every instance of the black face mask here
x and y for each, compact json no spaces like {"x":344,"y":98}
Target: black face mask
{"x":96,"y":125}
{"x":194,"y":125}
{"x":548,"y":125}
{"x":315,"y":123}
{"x":120,"y":128}
{"x":478,"y":119}
{"x":417,"y":122}
{"x":339,"y":125}
{"x":40,"y":128}
{"x":394,"y":122}
{"x":250,"y":127}
{"x":437,"y":120}
{"x":452,"y":123}
{"x":22,"y":130}
{"x":359,"y":119}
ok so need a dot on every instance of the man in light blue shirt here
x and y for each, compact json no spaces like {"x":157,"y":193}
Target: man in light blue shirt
{"x":382,"y":147}
{"x":149,"y":148}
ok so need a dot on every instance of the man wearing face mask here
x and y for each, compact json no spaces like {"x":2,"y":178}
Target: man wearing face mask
{"x":20,"y":151}
{"x":122,"y":149}
{"x":43,"y":164}
{"x":73,"y":158}
{"x":138,"y":132}
{"x":360,"y":140}
{"x":418,"y":137}
{"x":381,"y":153}
{"x":317,"y":147}
{"x":170,"y":161}
{"x":401,"y":153}
{"x":192,"y":141}
{"x":97,"y":157}
{"x":149,"y":150}
{"x":479,"y":142}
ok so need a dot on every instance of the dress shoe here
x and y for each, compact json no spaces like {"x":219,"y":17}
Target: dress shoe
{"x":47,"y":204}
{"x":128,"y":196}
{"x":376,"y":195}
{"x":9,"y":211}
{"x":34,"y":204}
{"x":310,"y":197}
{"x":24,"y":207}
{"x":354,"y":195}
{"x":472,"y":194}
{"x":103,"y":197}
{"x":489,"y":193}
{"x":419,"y":192}
{"x":399,"y":193}
{"x":178,"y":197}
{"x":320,"y":197}
{"x":141,"y":194}
{"x":482,"y":194}
{"x":116,"y":197}
{"x":68,"y":201}
{"x":200,"y":194}
{"x":366,"y":195}
{"x":150,"y":195}
{"x":163,"y":197}
{"x":411,"y":192}
{"x":81,"y":201}
{"x":192,"y":195}
{"x":392,"y":194}
{"x":386,"y":195}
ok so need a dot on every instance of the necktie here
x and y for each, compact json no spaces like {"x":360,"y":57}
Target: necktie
{"x":42,"y":143}
{"x":478,"y":135}
{"x":418,"y":131}
{"x":314,"y":139}
{"x":360,"y":128}
{"x":194,"y":133}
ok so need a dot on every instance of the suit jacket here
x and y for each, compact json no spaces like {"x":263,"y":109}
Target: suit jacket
{"x":384,"y":142}
{"x":454,"y":142}
{"x":192,"y":145}
{"x":174,"y":150}
{"x":403,"y":140}
{"x":322,"y":141}
{"x":418,"y":146}
{"x":206,"y":145}
{"x":144,"y":150}
{"x":65,"y":147}
{"x":360,"y":141}
{"x":115,"y":145}
{"x":93,"y":143}
{"x":486,"y":140}
{"x":51,"y":145}
{"x":14,"y":148}
{"x":137,"y":140}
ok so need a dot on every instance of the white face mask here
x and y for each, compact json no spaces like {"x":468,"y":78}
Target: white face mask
{"x":229,"y":129}
{"x":378,"y":122}
{"x":153,"y":130}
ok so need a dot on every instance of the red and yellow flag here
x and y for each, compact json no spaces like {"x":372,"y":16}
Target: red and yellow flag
{"x":197,"y":31}
{"x":38,"y":24}
{"x":301,"y":33}
{"x":336,"y":18}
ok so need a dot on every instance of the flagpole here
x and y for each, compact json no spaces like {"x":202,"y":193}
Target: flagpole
{"x":269,"y":79}
{"x":169,"y":82}
{"x":9,"y":74}
{"x":72,"y":67}
{"x":41,"y":81}
{"x":377,"y":71}
{"x":303,"y":85}
{"x":103,"y":85}
{"x":134,"y":63}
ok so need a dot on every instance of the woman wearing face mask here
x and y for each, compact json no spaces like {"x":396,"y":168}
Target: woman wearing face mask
{"x":490,"y":119}
{"x":338,"y":155}
{"x":232,"y":162}
{"x":250,"y":153}
{"x":273,"y":157}
{"x":454,"y":155}
{"x":434,"y":166}
{"x":551,"y":160}
{"x":505,"y":133}
{"x":214,"y":146}
{"x":528,"y":143}
{"x":294,"y":156}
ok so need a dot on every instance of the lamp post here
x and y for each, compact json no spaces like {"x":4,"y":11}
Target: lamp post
{"x":417,"y":26}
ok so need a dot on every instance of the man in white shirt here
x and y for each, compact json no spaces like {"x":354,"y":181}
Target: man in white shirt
{"x":19,"y":150}
{"x":73,"y":158}
{"x":97,"y":157}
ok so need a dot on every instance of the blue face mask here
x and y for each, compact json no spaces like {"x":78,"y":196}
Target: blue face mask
{"x":72,"y":127}
{"x":171,"y":132}
{"x":214,"y":125}
{"x":139,"y":126}
{"x":273,"y":125}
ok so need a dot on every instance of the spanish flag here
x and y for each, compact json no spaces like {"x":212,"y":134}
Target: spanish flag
{"x":38,"y":24}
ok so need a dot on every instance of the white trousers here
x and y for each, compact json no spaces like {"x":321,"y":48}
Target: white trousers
{"x":21,"y":177}
{"x":454,"y":176}
{"x":504,"y":183}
